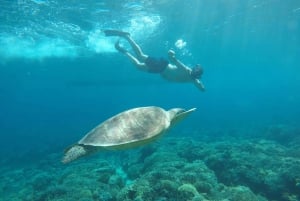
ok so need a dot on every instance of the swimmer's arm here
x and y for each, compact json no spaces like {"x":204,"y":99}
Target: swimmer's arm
{"x":175,"y":61}
{"x":199,"y":84}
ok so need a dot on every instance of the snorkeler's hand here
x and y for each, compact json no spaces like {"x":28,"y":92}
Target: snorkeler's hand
{"x":202,"y":88}
{"x":171,"y":54}
{"x":199,"y":84}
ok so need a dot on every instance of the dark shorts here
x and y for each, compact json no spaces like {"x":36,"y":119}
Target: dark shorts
{"x":156,"y":65}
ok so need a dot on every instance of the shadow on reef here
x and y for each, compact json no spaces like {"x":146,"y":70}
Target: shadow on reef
{"x":173,"y":169}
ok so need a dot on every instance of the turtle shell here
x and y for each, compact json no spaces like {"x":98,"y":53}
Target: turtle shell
{"x":127,"y":129}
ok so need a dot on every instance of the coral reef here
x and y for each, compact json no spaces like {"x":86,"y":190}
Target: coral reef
{"x":282,"y":133}
{"x":173,"y":169}
{"x":264,"y":166}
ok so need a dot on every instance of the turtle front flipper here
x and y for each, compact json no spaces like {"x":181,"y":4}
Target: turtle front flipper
{"x":74,"y":152}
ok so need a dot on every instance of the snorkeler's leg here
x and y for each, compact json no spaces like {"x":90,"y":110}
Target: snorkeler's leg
{"x":119,"y":48}
{"x":135,"y":61}
{"x":136,"y":48}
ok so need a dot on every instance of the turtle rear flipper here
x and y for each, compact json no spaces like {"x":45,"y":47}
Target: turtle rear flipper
{"x":73,"y":152}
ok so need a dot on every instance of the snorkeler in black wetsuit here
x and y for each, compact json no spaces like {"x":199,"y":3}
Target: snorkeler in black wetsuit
{"x":176,"y":73}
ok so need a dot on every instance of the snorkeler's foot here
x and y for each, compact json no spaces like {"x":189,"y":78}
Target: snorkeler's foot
{"x":119,"y":48}
{"x":112,"y":32}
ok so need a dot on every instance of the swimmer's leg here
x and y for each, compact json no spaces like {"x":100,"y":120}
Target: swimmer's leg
{"x":135,"y":61}
{"x":119,"y":48}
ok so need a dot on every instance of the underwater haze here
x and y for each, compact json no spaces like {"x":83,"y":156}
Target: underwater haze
{"x":60,"y":77}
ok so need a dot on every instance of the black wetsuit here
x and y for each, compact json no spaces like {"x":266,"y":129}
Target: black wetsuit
{"x":156,"y":65}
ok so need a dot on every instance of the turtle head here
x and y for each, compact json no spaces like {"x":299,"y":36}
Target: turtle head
{"x":74,"y":152}
{"x":177,"y":114}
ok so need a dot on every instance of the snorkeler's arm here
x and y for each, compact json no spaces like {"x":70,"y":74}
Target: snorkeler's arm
{"x":199,"y":84}
{"x":175,"y":61}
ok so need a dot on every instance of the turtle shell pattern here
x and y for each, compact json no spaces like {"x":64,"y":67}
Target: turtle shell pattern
{"x":132,"y":126}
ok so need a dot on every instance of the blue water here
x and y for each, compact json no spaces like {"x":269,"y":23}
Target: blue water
{"x":60,"y":76}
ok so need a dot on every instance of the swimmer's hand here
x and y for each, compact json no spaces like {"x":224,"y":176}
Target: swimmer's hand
{"x":171,"y":54}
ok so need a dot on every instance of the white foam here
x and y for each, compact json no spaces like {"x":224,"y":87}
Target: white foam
{"x":14,"y":47}
{"x":36,"y":45}
{"x":144,"y":25}
{"x":139,"y":27}
{"x":97,"y":42}
{"x":180,"y":44}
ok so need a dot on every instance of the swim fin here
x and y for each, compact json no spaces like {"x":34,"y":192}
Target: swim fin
{"x":112,"y":32}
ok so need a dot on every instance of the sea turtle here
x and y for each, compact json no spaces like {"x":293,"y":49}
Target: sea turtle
{"x":137,"y":126}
